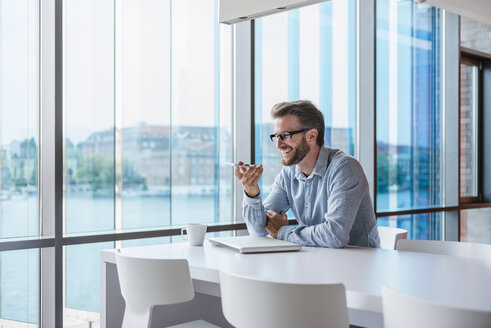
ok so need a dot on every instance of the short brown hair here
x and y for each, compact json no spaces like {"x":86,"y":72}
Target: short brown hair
{"x":309,"y":116}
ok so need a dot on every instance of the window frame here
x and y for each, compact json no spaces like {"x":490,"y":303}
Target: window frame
{"x":52,"y":240}
{"x":449,"y":50}
{"x":476,"y":61}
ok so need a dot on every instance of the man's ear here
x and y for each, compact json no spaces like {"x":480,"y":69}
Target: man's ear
{"x":312,"y":135}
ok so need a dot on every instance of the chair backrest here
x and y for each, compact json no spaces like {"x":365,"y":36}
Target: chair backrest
{"x":389,"y":236}
{"x":255,"y":303}
{"x":454,"y":248}
{"x":148,"y":282}
{"x":402,"y":311}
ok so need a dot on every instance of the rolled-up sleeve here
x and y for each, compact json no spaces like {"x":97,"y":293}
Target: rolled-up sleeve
{"x":346,"y":188}
{"x":254,"y":211}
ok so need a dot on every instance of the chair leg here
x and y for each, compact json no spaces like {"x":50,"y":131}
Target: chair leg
{"x":133,"y":319}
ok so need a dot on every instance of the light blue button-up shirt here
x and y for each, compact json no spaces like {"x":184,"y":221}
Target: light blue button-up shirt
{"x":332,"y":205}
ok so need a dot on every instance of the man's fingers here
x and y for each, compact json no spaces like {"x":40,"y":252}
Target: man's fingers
{"x":258,"y":173}
{"x":238,"y":174}
{"x":249,"y":176}
{"x":254,"y":175}
{"x":284,"y":216}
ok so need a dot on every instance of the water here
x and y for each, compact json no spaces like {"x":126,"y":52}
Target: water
{"x":19,"y":271}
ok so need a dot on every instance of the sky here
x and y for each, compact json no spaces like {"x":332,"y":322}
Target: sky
{"x":126,"y":65}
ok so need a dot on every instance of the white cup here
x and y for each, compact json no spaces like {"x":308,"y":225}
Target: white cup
{"x":196,"y":233}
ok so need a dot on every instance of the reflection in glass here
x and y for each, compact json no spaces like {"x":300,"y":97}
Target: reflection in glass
{"x":475,"y":225}
{"x":148,"y":123}
{"x":19,"y":117}
{"x":19,"y":288}
{"x":469,"y":144}
{"x":408,"y":105}
{"x":307,"y":53}
{"x":425,"y":226}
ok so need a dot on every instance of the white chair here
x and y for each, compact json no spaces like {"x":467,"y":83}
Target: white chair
{"x":454,"y":248}
{"x":149,"y":282}
{"x":402,"y":311}
{"x":389,"y":236}
{"x":255,"y":303}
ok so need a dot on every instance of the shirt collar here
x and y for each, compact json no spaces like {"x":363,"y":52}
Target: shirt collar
{"x":320,"y":166}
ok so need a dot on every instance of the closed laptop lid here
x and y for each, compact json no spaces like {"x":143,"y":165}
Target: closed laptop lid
{"x":254,"y":244}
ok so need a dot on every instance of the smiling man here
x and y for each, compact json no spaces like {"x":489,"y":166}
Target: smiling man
{"x":326,"y":189}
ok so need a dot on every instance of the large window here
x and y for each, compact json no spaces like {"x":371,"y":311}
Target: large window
{"x":89,"y":115}
{"x":149,"y":102}
{"x":408,"y":110}
{"x":19,"y":147}
{"x":148,"y":124}
{"x":19,"y":118}
{"x":309,"y":54}
{"x":19,"y":285}
{"x":475,"y":109}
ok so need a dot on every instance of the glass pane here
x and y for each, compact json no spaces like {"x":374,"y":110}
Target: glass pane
{"x":143,"y":93}
{"x":88,"y":86}
{"x":19,"y":117}
{"x":475,"y":225}
{"x":19,"y":288}
{"x":425,"y":226}
{"x":308,"y":53}
{"x":468,"y":130}
{"x":82,"y":284}
{"x":475,"y":35}
{"x":408,"y":105}
{"x":116,"y":74}
{"x":201,"y":105}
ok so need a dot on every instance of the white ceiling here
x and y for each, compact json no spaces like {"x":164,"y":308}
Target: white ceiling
{"x":479,"y":10}
{"x":234,"y":11}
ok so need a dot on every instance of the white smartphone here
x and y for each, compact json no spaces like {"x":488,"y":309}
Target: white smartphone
{"x":237,"y":165}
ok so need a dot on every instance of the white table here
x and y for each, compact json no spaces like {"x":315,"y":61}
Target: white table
{"x":454,"y":281}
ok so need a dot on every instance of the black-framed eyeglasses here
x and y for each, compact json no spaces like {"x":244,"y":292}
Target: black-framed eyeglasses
{"x":285,"y":136}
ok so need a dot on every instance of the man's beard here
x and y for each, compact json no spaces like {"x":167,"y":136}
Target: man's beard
{"x":299,"y":153}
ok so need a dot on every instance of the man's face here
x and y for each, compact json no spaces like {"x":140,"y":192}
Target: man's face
{"x":293,"y":151}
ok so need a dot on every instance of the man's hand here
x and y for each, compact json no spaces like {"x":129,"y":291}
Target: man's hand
{"x":249,"y":178}
{"x":275,"y":221}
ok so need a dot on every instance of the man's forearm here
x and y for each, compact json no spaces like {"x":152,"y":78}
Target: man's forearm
{"x":320,"y":235}
{"x":254,"y":215}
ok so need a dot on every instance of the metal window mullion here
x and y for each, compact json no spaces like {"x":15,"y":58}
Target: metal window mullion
{"x":58,"y":165}
{"x":47,"y":162}
{"x":450,"y":54}
{"x":118,"y":126}
{"x":475,"y":131}
{"x":365,"y":147}
{"x":243,"y":108}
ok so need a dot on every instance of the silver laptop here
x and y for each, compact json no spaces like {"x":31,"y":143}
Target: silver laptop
{"x":254,"y":244}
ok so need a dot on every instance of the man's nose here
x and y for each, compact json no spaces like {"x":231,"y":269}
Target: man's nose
{"x":279,"y":143}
